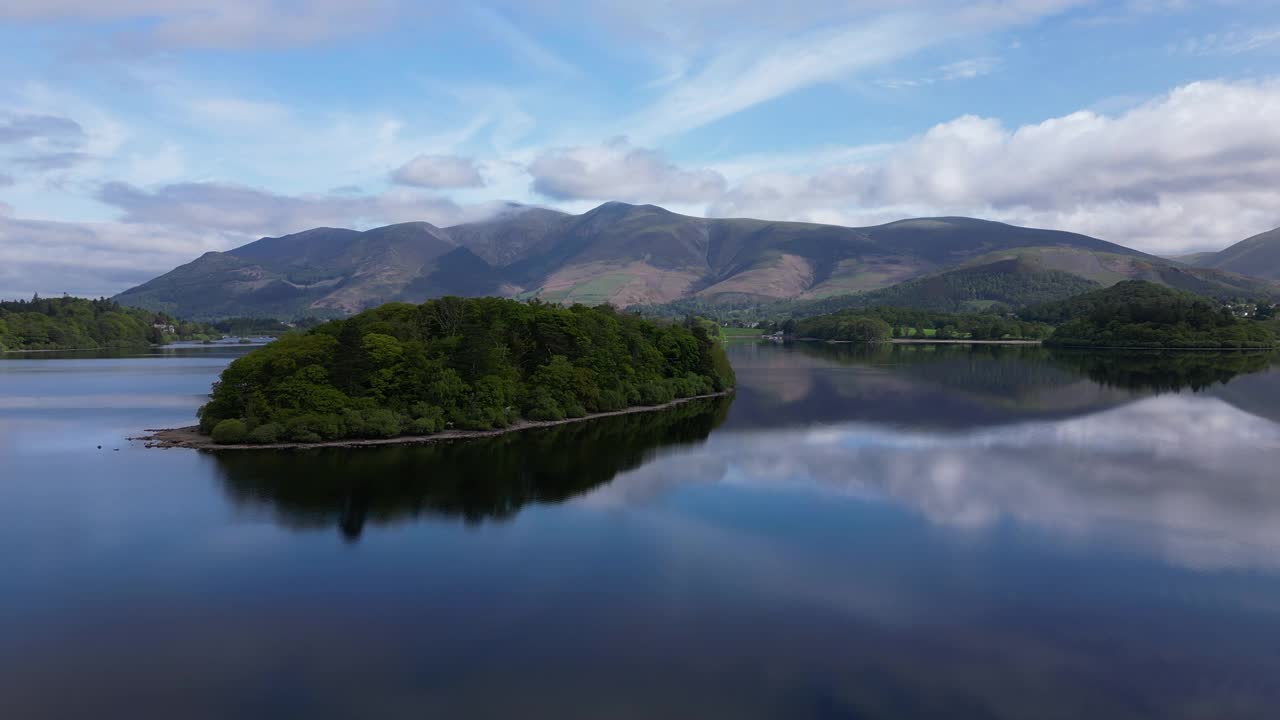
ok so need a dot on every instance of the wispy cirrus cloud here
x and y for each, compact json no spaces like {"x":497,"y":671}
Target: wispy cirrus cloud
{"x":744,"y":71}
{"x":958,"y":70}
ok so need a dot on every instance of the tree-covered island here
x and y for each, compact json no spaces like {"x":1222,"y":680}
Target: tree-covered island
{"x":453,"y":363}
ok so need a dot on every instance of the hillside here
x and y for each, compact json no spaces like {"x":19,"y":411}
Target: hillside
{"x":1258,"y":256}
{"x":1011,"y":283}
{"x":637,"y":254}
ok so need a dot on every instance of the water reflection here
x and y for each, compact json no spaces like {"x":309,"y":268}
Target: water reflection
{"x":957,"y":388}
{"x":1191,"y":479}
{"x":490,"y":479}
{"x":1164,"y":371}
{"x":1020,"y":537}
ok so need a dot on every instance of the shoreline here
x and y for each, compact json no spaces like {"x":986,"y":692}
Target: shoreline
{"x":132,"y":348}
{"x":913,"y":341}
{"x":1272,"y":348}
{"x":189,"y":437}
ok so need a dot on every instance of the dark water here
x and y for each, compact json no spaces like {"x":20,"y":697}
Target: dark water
{"x":908,"y":533}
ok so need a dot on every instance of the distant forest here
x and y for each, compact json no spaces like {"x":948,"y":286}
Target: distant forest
{"x":1136,"y":314}
{"x":68,"y":323}
{"x":879,"y":324}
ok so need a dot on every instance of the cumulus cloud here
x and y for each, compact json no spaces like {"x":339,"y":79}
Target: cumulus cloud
{"x":1196,"y":168}
{"x":438,"y":171}
{"x":619,"y":171}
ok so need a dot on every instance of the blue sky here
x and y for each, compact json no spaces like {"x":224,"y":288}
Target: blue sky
{"x":136,"y":135}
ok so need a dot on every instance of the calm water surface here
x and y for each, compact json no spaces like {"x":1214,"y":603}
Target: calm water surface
{"x":918,"y":532}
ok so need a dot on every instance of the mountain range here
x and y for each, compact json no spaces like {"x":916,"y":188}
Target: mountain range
{"x":1258,"y":256}
{"x":642,"y":254}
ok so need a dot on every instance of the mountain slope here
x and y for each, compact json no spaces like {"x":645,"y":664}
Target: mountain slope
{"x":1010,"y":282}
{"x":325,"y":271}
{"x":623,"y":254}
{"x":1258,"y":256}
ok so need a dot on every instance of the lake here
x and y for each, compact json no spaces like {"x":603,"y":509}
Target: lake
{"x":905,"y":532}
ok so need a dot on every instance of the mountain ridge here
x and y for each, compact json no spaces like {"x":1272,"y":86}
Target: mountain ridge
{"x":623,"y":254}
{"x":1258,"y":255}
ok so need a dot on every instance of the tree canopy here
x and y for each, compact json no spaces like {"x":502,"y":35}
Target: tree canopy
{"x":1137,"y":314}
{"x":463,"y":363}
{"x":78,"y":323}
{"x":878,"y":324}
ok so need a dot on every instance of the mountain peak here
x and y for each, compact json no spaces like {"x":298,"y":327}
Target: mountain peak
{"x":628,"y":254}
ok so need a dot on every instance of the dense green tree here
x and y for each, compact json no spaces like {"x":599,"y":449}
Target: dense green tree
{"x":475,"y":364}
{"x":74,"y":323}
{"x":1137,"y":314}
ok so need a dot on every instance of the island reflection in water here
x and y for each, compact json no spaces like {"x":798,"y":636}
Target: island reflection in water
{"x":476,"y":480}
{"x":1118,"y":444}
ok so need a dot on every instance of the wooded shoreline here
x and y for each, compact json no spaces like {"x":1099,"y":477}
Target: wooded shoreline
{"x":191,"y":438}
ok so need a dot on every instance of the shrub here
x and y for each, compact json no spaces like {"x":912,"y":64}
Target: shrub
{"x":229,"y":432}
{"x":423,"y":426}
{"x":314,"y":428}
{"x":381,"y":423}
{"x":266,"y":434}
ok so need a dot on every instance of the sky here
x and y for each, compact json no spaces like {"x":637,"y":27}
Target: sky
{"x":137,"y":135}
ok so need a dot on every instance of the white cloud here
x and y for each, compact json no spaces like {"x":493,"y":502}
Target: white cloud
{"x":1231,"y":42}
{"x":225,"y":24}
{"x":959,"y":70}
{"x":439,"y":171}
{"x":1196,"y":168}
{"x":836,"y":41}
{"x":619,"y":171}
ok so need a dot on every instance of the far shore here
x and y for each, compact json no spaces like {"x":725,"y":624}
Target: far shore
{"x":930,"y":341}
{"x":191,"y":438}
{"x":132,"y":348}
{"x":926,"y":341}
